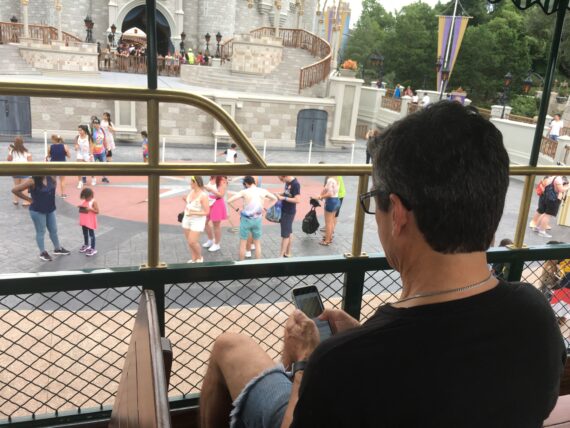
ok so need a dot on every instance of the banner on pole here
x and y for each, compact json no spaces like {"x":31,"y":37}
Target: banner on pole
{"x":449,"y":42}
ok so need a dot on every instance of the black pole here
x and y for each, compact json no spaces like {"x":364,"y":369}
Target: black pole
{"x":151,"y":48}
{"x":548,"y":78}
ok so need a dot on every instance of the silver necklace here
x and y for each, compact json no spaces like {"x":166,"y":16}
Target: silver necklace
{"x":455,"y":290}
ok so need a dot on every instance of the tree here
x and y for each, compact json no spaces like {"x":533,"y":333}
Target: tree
{"x":410,"y":46}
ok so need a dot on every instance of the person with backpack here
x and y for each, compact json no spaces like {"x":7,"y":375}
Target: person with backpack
{"x":290,"y":197}
{"x":549,"y":203}
{"x":540,"y":192}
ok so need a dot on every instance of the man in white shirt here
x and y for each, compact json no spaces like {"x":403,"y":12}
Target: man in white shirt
{"x":231,"y":153}
{"x":555,"y":126}
{"x":425,"y":100}
{"x":251,"y":216}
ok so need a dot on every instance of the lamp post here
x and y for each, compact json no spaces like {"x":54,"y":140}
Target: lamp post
{"x":444,"y":79}
{"x":89,"y":28}
{"x":182,"y":46}
{"x":218,"y":40}
{"x":377,"y":62}
{"x":507,"y":80}
{"x":207,"y":51}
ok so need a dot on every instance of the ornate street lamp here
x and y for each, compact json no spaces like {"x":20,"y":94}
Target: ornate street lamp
{"x":218,"y":40}
{"x":89,"y":28}
{"x":377,"y":62}
{"x":507,"y":80}
{"x":207,"y":51}
{"x":527,"y":83}
{"x":182,"y":47}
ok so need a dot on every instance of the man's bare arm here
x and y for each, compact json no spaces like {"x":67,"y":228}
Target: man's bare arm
{"x":235,"y":197}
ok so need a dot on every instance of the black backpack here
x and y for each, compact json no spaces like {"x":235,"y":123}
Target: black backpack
{"x":310,"y":222}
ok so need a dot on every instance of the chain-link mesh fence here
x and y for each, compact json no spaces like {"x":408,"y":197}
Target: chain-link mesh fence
{"x":63,"y":350}
{"x":549,"y":277}
{"x":197,"y":313}
{"x":380,"y":287}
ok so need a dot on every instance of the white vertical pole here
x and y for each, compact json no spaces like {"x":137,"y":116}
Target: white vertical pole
{"x":163,"y":148}
{"x":45,"y":145}
{"x":215,"y":148}
{"x":352,"y":153}
{"x":310,"y":150}
{"x":264,"y":148}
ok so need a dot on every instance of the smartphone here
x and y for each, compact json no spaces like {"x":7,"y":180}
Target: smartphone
{"x":308,"y":301}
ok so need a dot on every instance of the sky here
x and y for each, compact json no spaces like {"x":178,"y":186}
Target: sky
{"x":389,"y":5}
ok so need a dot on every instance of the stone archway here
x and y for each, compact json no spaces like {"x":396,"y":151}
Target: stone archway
{"x":134,"y":12}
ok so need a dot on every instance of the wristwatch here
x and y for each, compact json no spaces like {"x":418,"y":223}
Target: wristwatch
{"x":297,"y":366}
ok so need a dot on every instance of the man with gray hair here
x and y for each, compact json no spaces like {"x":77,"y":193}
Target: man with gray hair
{"x":459,"y":348}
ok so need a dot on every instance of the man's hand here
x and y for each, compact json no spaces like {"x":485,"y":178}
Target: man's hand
{"x":339,"y":320}
{"x":301,"y":338}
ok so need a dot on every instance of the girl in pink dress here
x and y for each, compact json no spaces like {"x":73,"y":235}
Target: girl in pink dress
{"x":216,"y":189}
{"x":88,"y":210}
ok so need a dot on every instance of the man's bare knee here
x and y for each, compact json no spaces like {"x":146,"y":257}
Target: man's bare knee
{"x":231,"y":342}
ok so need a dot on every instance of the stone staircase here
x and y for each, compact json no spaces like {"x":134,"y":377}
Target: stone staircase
{"x":12,"y":63}
{"x":284,"y":80}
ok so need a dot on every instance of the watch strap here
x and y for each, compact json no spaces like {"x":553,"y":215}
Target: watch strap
{"x":298,"y":366}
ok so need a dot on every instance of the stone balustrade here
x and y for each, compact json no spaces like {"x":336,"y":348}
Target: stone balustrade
{"x":256,"y":55}
{"x":81,"y":57}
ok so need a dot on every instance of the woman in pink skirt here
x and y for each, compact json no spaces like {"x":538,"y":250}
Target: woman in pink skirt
{"x":216,"y":189}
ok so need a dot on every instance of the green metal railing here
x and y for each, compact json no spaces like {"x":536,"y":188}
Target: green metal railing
{"x":77,"y":326}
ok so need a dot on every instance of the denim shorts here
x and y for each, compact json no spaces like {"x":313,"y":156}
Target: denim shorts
{"x":263,"y":401}
{"x":332,"y":205}
{"x":99,"y":157}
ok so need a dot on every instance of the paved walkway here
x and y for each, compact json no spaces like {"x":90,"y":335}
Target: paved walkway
{"x":122,"y":233}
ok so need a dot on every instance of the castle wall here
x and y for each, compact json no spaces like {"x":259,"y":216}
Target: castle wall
{"x":10,"y":8}
{"x":229,"y":17}
{"x":271,"y":119}
{"x":247,"y":19}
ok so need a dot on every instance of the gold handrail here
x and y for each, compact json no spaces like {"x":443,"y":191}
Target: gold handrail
{"x":154,"y":169}
{"x":139,"y":94}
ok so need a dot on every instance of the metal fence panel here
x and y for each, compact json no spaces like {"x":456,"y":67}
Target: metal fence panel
{"x":196,"y":313}
{"x":63,"y":351}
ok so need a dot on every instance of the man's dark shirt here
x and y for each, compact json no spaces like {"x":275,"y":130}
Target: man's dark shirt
{"x":490,"y":360}
{"x":292,"y":189}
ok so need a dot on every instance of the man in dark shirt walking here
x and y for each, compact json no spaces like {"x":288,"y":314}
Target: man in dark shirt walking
{"x":460,"y":348}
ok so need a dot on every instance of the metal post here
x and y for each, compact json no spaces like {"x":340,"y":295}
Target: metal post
{"x":153,"y":185}
{"x":352,"y":153}
{"x":45,"y":145}
{"x":524,"y":210}
{"x":310,"y":150}
{"x":152,"y":50}
{"x":359,"y":218}
{"x":548,"y":79}
{"x":215,"y":149}
{"x":163,"y":148}
{"x":264,"y":148}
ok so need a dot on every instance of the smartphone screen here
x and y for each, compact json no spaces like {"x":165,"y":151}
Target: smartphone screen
{"x":308,"y":301}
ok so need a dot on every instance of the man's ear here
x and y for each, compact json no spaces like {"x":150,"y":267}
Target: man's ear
{"x":400,"y":215}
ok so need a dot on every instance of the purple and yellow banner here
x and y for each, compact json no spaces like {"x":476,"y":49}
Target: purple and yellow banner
{"x":340,"y":15}
{"x":445,"y":24}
